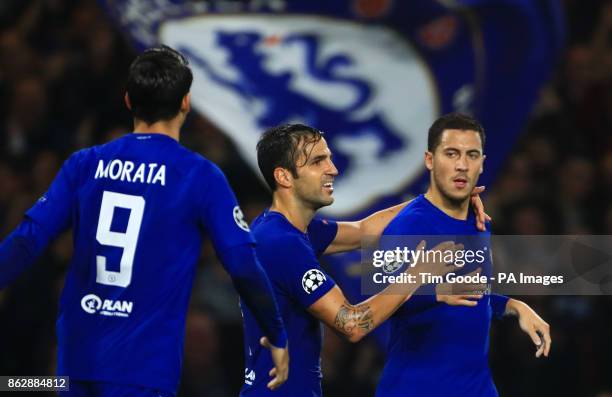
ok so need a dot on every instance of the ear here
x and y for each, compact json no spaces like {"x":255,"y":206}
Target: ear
{"x":126,"y":99}
{"x":283,"y":177}
{"x":482,"y":164}
{"x":429,"y":160}
{"x":186,"y":103}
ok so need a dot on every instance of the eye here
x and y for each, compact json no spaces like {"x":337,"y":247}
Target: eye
{"x":451,"y":154}
{"x":474,"y":156}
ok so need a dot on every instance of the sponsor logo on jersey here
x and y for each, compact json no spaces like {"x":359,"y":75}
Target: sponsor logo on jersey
{"x":312,"y":280}
{"x":93,"y":304}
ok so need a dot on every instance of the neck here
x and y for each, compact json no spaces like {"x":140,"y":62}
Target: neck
{"x":453,"y":208}
{"x":171,"y":128}
{"x":298,"y":214}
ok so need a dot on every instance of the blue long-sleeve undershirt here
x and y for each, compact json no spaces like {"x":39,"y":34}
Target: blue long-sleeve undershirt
{"x":255,"y":290}
{"x":20,"y":249}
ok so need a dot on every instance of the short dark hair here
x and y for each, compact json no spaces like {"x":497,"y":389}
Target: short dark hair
{"x":453,"y":121}
{"x":158,"y":80}
{"x":278,"y":147}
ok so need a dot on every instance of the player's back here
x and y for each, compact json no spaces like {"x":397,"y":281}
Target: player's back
{"x":137,"y":209}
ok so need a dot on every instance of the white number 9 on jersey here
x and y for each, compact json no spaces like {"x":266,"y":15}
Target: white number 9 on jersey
{"x":127,"y":240}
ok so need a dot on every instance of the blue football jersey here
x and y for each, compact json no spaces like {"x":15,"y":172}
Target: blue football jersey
{"x":289,"y":258}
{"x":437,"y":350}
{"x":139,"y":207}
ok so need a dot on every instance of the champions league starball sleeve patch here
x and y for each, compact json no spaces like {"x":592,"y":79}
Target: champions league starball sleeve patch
{"x":312,"y":280}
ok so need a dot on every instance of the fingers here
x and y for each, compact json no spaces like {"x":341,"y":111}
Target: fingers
{"x":540,"y":350}
{"x":543,"y":331}
{"x":478,"y":190}
{"x":275,"y":383}
{"x":468,"y":300}
{"x":421,"y":245}
{"x":280,"y":357}
{"x":548,"y":342}
{"x":535,"y":338}
{"x":465,"y":302}
{"x":460,"y":300}
{"x":445,"y":246}
{"x":481,"y":215}
{"x":279,"y":377}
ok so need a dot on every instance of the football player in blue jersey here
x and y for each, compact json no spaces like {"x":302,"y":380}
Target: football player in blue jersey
{"x":297,"y":165}
{"x":437,"y":350}
{"x":139,"y":207}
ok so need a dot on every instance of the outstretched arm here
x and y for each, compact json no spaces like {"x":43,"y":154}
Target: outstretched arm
{"x":350,"y":234}
{"x":356,"y":321}
{"x":49,"y":217}
{"x":20,"y":249}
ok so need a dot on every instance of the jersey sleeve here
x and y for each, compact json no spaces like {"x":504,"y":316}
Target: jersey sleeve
{"x":498,"y":305}
{"x":304,"y":278}
{"x":255,"y":290}
{"x":20,"y":249}
{"x":220,"y":213}
{"x":53,"y":209}
{"x":321,"y":233}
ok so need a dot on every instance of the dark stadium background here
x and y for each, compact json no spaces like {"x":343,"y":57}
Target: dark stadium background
{"x":62,"y":65}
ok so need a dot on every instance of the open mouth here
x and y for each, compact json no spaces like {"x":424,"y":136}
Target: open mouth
{"x":460,"y":183}
{"x":329,"y":186}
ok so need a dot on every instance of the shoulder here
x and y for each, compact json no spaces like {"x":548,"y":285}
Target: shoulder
{"x":272,"y":232}
{"x":207,"y":178}
{"x":274,"y":238}
{"x":202,"y":166}
{"x":414,"y":218}
{"x":80,"y":160}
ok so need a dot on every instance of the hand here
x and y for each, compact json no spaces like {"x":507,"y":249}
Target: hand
{"x":529,"y":321}
{"x":280,"y":357}
{"x":455,"y":294}
{"x":432,"y":262}
{"x":478,"y":206}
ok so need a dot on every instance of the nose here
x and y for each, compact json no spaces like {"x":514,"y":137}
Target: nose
{"x":461,"y":164}
{"x":332,"y":170}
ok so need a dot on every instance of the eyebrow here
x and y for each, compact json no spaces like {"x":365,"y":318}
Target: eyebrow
{"x":467,"y":151}
{"x":318,"y":158}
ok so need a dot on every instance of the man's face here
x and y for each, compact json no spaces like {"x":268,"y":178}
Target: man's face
{"x":314,"y":185}
{"x":456,"y":163}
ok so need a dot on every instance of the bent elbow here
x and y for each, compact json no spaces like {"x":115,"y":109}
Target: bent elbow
{"x":354,"y":337}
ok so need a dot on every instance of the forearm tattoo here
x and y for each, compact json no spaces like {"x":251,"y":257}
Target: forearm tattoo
{"x":352,"y":318}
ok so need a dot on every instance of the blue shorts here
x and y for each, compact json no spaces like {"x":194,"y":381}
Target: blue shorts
{"x":105,"y":389}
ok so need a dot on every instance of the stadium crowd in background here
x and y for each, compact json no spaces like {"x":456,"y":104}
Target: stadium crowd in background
{"x":62,"y":71}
